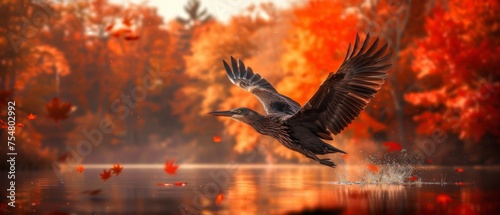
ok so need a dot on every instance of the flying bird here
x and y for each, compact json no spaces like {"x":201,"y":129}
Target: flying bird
{"x":338,"y":101}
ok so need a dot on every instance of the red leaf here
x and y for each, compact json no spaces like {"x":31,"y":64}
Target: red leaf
{"x":170,"y":168}
{"x":217,"y":138}
{"x":80,"y":168}
{"x":459,"y":170}
{"x":393,"y":146}
{"x":105,"y":175}
{"x":21,"y":125}
{"x":117,"y":169}
{"x":31,"y":116}
{"x":58,"y":110}
{"x":219,"y":198}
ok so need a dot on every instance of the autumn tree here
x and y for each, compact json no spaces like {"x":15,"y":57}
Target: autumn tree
{"x":457,"y":69}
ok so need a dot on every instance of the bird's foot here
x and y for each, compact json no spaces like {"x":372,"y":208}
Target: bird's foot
{"x":327,"y":162}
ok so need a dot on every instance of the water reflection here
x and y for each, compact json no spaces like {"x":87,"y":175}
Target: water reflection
{"x":252,"y":191}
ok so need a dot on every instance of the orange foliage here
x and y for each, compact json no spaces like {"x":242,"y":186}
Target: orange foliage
{"x":461,"y":60}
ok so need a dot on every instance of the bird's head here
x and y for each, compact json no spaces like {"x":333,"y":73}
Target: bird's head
{"x":240,"y":114}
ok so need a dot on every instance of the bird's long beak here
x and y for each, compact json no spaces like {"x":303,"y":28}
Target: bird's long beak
{"x":222,"y":113}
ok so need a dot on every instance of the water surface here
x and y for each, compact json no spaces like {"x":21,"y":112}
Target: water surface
{"x":239,"y":189}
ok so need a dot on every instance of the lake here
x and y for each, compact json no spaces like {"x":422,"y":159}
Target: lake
{"x":260,"y":189}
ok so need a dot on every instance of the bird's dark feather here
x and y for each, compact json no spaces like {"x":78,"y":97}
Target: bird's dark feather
{"x":344,"y":94}
{"x":245,"y":78}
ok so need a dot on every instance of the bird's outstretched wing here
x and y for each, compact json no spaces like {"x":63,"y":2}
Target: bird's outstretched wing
{"x":343,"y":95}
{"x":245,"y":78}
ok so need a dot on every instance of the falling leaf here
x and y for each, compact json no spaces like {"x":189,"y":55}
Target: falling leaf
{"x":459,"y":170}
{"x":31,"y":116}
{"x":412,"y":178}
{"x":180,"y":184}
{"x":92,"y":192}
{"x":170,"y":168}
{"x":117,"y":169}
{"x":105,"y":175}
{"x":217,"y":138}
{"x":393,"y":146}
{"x":80,"y":168}
{"x":219,"y":198}
{"x":132,"y":37}
{"x":372,"y":168}
{"x":443,"y":199}
{"x":20,"y":125}
{"x":58,"y":110}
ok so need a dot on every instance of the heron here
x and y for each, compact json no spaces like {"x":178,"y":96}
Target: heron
{"x":337,"y":102}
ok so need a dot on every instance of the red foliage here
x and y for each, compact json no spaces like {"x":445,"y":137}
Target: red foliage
{"x":105,"y":175}
{"x":58,"y":110}
{"x":117,"y":169}
{"x":461,"y":59}
{"x":459,"y":170}
{"x":170,"y":167}
{"x":393,"y":146}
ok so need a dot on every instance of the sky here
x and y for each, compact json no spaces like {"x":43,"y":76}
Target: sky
{"x":220,"y":9}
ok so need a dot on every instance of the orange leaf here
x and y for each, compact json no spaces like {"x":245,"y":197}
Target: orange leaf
{"x":31,"y":116}
{"x":117,"y":169}
{"x":105,"y":175}
{"x":393,"y":146}
{"x":217,"y":138}
{"x":80,"y":168}
{"x":170,"y":168}
{"x":219,"y":198}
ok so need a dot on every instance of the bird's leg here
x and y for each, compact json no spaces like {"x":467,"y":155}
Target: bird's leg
{"x":325,"y":161}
